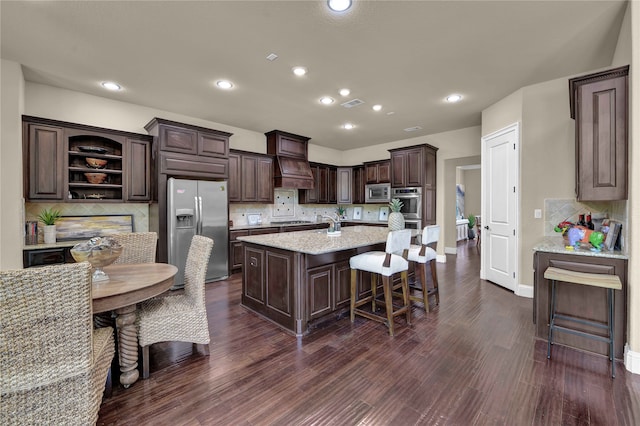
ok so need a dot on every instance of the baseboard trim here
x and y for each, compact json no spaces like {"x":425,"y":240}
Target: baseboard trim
{"x":441,"y":258}
{"x":631,"y":360}
{"x":524,"y":291}
{"x":450,"y":250}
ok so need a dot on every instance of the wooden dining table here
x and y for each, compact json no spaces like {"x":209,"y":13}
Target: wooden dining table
{"x":129,"y":284}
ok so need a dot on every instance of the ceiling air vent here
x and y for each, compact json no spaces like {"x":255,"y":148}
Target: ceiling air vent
{"x":412,"y":129}
{"x":352,"y":103}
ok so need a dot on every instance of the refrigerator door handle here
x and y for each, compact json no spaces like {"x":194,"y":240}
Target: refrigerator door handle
{"x":200,"y":215}
{"x":195,"y":201}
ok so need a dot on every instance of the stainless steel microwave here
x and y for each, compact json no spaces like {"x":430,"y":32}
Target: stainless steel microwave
{"x":377,"y":193}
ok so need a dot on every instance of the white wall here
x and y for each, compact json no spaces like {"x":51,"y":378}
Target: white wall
{"x":11,"y":201}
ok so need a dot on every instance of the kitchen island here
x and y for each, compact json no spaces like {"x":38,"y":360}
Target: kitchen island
{"x":301,"y":279}
{"x":583,"y":301}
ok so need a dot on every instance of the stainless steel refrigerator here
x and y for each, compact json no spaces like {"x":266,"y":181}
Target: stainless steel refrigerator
{"x":197,"y":207}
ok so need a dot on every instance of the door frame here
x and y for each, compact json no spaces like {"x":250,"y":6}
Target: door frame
{"x":484,"y":263}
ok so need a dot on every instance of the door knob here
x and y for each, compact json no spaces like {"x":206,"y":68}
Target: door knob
{"x":486,"y":227}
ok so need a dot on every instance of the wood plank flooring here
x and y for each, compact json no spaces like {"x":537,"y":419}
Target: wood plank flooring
{"x":473,"y":360}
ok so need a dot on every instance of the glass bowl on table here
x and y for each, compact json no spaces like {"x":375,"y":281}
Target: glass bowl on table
{"x":99,"y":252}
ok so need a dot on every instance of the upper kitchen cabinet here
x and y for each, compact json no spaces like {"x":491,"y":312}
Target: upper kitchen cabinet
{"x":599,"y":105}
{"x":324,"y":188}
{"x":344,"y":185}
{"x":358,"y":185}
{"x":250,"y":177}
{"x":378,"y":171}
{"x":189,"y":151}
{"x":410,"y":165}
{"x":76,"y":163}
{"x":186,"y":139}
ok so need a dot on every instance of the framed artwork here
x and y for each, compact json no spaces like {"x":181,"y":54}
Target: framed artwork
{"x":357,"y":213}
{"x":69,"y":228}
{"x":383,"y":216}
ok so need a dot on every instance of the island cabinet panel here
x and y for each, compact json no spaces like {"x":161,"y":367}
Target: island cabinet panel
{"x":235,"y":250}
{"x":583,"y":301}
{"x":298,"y":290}
{"x":253,"y":271}
{"x":320,"y":292}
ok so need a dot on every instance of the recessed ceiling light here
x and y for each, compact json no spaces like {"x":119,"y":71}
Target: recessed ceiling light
{"x":377,"y":107}
{"x":110,"y":85}
{"x":299,"y":71}
{"x":339,"y":5}
{"x":224,"y":84}
{"x":326,"y":100}
{"x":454,"y":98}
{"x":345,"y":92}
{"x":348,"y":126}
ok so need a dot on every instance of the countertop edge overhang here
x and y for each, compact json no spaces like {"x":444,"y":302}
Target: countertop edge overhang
{"x":318,"y":242}
{"x":307,"y":223}
{"x":557,"y":245}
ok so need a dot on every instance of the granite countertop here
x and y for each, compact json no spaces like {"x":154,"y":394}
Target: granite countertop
{"x":58,"y":244}
{"x":318,"y":242}
{"x":310,"y":223}
{"x":557,"y":245}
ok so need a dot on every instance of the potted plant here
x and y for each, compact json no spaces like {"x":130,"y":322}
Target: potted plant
{"x":49,"y":217}
{"x":396,"y":218}
{"x":342,"y":212}
{"x":472,"y":223}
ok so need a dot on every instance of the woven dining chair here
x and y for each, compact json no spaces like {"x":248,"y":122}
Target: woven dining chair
{"x":138,"y":247}
{"x":180,"y":317}
{"x":53,"y":363}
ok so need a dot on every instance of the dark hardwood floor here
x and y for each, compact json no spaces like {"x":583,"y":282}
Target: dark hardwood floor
{"x":473,"y":360}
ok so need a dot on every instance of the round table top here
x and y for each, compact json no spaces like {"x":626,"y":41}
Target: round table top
{"x":129,"y":284}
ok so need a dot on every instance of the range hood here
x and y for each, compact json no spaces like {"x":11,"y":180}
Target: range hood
{"x":292,"y":170}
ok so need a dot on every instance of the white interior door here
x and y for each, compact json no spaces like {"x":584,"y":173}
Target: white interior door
{"x":500,"y":165}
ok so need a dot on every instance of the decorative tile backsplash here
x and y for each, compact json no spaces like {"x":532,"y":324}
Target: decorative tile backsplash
{"x":140,"y":212}
{"x":286,"y":206}
{"x":558,"y":210}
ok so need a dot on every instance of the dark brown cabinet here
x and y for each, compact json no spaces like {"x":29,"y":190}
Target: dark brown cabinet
{"x":587,"y":302}
{"x":235,"y":247}
{"x":358,"y":185}
{"x":344,"y":185}
{"x":250,"y":177}
{"x":44,"y":162}
{"x":415,"y":166}
{"x":76,"y":163}
{"x":183,"y":151}
{"x":175,"y":137}
{"x":599,"y":105}
{"x":325,"y":183}
{"x":377,"y":171}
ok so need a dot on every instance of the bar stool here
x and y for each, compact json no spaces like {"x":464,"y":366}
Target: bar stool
{"x":385,"y":263}
{"x":424,"y":254}
{"x":609,"y":282}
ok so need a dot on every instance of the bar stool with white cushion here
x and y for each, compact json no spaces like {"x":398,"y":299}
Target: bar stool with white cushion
{"x":424,"y":254}
{"x":384,"y":263}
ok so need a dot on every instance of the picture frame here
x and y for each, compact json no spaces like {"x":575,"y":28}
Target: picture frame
{"x":357,"y":213}
{"x":383,"y":215}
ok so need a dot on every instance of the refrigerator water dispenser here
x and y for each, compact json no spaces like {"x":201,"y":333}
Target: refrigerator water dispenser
{"x":185,"y":218}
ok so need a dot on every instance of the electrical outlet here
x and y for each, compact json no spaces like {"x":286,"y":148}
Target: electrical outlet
{"x":537,"y":214}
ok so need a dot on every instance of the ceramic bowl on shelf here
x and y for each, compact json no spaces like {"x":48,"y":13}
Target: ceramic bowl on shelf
{"x":95,"y":177}
{"x":96,"y":163}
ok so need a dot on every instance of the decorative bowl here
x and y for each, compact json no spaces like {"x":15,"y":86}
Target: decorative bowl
{"x":96,"y":163}
{"x":95,"y":177}
{"x":99,"y":252}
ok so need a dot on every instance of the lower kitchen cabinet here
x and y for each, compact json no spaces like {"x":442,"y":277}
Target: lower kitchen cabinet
{"x":583,"y":301}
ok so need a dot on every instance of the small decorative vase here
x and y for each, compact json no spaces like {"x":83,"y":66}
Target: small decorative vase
{"x":396,"y":221}
{"x":49,"y":234}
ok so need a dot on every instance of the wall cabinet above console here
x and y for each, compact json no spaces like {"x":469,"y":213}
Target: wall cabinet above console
{"x":599,"y":104}
{"x":77,"y":163}
{"x":250,"y":177}
{"x":377,"y":171}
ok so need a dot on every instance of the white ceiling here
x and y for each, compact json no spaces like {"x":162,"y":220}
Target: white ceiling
{"x":405,"y":55}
